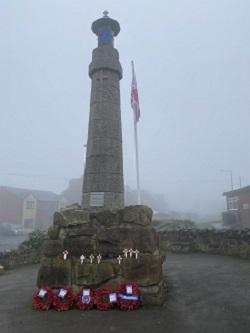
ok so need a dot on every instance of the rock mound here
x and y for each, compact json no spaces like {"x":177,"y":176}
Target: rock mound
{"x":108,"y":233}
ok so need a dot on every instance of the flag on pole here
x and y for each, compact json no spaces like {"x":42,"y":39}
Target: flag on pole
{"x":136,"y":108}
{"x":134,"y":96}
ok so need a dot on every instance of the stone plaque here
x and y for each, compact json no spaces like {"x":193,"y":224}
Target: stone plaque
{"x":96,"y":199}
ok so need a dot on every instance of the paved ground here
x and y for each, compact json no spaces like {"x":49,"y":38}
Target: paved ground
{"x":206,"y":294}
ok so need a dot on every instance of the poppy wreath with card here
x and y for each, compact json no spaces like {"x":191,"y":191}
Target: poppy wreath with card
{"x":129,"y":297}
{"x":85,"y":299}
{"x":42,"y":299}
{"x":105,"y":299}
{"x":63,"y":300}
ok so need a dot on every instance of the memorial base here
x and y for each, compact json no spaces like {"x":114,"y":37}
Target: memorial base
{"x":127,"y":243}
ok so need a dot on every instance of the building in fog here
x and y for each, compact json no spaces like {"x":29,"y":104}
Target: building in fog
{"x":237,"y":214}
{"x":31,"y":209}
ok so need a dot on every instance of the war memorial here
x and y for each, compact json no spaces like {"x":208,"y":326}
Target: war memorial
{"x":99,"y":246}
{"x":102,"y":243}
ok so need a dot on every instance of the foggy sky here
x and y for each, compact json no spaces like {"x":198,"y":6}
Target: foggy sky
{"x":192,"y":61}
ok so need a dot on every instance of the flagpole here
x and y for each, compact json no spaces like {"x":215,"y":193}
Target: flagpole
{"x":136,"y":154}
{"x":137,"y":165}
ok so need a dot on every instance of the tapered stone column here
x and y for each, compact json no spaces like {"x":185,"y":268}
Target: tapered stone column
{"x":103,"y":175}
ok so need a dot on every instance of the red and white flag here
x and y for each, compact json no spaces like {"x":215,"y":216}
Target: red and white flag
{"x":134,"y":96}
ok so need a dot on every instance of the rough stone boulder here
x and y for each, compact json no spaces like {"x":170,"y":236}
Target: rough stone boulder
{"x":108,"y":233}
{"x":141,"y":215}
{"x":54,"y":272}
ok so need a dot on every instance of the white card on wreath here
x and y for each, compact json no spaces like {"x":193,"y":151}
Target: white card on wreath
{"x":129,"y":290}
{"x":86,"y":292}
{"x":62,"y":293}
{"x":112,"y":297}
{"x":42,"y":293}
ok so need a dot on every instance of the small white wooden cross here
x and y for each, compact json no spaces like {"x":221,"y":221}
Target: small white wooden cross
{"x":131,"y":251}
{"x":119,"y":258}
{"x":82,"y":258}
{"x":99,"y":258}
{"x":125,"y":251}
{"x":65,"y":254}
{"x":91,"y":258}
{"x":136,"y":252}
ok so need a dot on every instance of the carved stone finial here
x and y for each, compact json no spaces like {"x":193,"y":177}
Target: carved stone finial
{"x":105,"y":13}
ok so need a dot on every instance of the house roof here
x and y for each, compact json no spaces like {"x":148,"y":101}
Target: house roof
{"x":39,"y":195}
{"x":237,"y":191}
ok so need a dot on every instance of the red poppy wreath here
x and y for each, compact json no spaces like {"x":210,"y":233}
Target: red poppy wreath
{"x":42,"y":299}
{"x":63,"y":299}
{"x":129,"y":297}
{"x":85,"y":299}
{"x":105,"y":299}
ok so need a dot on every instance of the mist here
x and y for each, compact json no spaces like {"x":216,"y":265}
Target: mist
{"x":192,"y":61}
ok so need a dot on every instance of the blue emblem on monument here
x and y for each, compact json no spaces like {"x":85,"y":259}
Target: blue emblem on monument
{"x":105,"y":38}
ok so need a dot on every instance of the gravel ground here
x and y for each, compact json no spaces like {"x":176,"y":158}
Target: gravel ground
{"x":207,"y":293}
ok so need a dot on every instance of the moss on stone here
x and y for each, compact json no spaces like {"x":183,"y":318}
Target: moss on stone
{"x":54,"y":272}
{"x":52,"y":248}
{"x":93,"y":275}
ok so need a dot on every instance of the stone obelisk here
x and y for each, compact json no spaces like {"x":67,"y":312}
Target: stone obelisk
{"x":103,"y":186}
